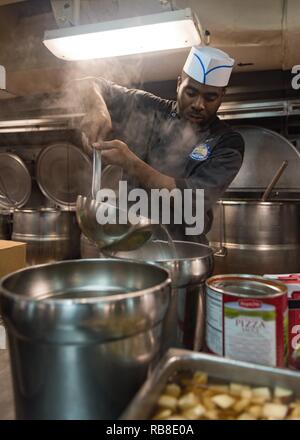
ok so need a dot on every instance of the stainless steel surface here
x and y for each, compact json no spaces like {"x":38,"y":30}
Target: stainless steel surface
{"x":245,"y":286}
{"x":111,"y":176}
{"x":50,"y":234}
{"x":63,"y":172}
{"x":5,"y":225}
{"x":273,"y":182}
{"x":20,"y":121}
{"x":259,"y":237}
{"x":87,"y":248}
{"x":189,"y":269}
{"x":258,"y":109}
{"x":82,"y":335}
{"x":116,"y":236}
{"x":143,"y":404}
{"x":15,"y":181}
{"x":6,"y":392}
{"x":96,"y":180}
{"x":265,"y":150}
{"x":191,"y":265}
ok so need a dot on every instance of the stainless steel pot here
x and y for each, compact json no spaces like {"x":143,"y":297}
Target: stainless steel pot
{"x":256,"y":237}
{"x":50,"y":234}
{"x":88,"y":249}
{"x":5,"y":225}
{"x":82,"y":335}
{"x":189,"y":269}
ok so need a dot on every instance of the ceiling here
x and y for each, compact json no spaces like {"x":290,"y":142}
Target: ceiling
{"x":261,"y":35}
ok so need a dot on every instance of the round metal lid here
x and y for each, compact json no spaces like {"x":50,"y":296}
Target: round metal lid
{"x":64,"y":172}
{"x":243,"y":285}
{"x":265,"y":151}
{"x":15,"y":181}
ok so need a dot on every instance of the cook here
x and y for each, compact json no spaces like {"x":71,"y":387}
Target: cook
{"x":168,"y":144}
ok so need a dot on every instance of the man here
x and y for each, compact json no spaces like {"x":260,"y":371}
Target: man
{"x":166,"y":144}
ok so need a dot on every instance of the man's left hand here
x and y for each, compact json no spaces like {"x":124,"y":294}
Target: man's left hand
{"x":116,"y":153}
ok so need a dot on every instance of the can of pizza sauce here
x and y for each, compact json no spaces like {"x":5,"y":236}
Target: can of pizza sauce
{"x":247,"y":319}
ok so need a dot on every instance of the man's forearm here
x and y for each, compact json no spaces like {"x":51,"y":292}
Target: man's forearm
{"x":149,"y":177}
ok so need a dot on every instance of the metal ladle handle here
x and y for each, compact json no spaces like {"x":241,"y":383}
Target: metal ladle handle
{"x":96,"y":182}
{"x":274,"y":181}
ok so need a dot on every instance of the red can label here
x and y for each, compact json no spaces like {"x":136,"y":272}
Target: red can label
{"x":294,"y":334}
{"x":247,"y":329}
{"x":292,"y":281}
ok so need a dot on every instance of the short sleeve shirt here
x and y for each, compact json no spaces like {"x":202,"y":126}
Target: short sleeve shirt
{"x":206,"y":158}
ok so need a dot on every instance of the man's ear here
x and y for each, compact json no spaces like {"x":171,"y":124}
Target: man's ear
{"x":179,"y":81}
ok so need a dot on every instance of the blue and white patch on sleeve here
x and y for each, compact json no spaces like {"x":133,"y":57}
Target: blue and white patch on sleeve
{"x":201,"y":152}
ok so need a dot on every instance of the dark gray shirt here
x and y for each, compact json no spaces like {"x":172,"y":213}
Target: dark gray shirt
{"x":154,"y":131}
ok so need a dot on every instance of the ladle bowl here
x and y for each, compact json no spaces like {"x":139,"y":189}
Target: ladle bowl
{"x":114,"y":236}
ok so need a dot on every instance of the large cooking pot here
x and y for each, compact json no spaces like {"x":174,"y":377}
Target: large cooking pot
{"x":256,"y":237}
{"x":5,"y":225}
{"x":82,"y":335}
{"x":189,"y":269}
{"x":50,"y":234}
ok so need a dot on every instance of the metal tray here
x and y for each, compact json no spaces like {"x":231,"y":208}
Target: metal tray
{"x":142,"y":406}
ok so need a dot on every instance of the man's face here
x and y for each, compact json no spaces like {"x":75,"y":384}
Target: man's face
{"x":198,"y":103}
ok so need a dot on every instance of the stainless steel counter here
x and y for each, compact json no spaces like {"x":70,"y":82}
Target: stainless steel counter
{"x":6,"y":395}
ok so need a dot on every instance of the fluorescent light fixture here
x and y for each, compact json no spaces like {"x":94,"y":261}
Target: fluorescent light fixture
{"x":149,"y":33}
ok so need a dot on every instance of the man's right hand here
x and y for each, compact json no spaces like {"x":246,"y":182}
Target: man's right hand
{"x":95,"y":126}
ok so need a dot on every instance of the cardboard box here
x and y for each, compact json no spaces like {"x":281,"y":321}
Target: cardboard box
{"x":12,"y":256}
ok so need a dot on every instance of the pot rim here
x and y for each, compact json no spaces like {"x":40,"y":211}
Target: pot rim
{"x":210,"y":253}
{"x":43,"y":209}
{"x":258,"y":202}
{"x":67,"y":302}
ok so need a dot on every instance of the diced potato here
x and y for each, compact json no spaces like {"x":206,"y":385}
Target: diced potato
{"x":219,"y":388}
{"x":295,"y":412}
{"x":212,"y":415}
{"x":236,"y":389}
{"x":282,"y":392}
{"x":173,"y":390}
{"x":241,"y":405}
{"x":176,"y":417}
{"x":196,"y":398}
{"x":246,"y":393}
{"x":194,"y":413}
{"x":258,"y":400}
{"x":294,"y":405}
{"x":274,"y":410}
{"x":200,"y":377}
{"x":208,"y":393}
{"x":168,"y":402}
{"x":223,"y":401}
{"x":208,"y":403}
{"x":162,"y":415}
{"x":246,"y":416}
{"x":262,"y":392}
{"x":255,"y":411}
{"x":188,"y":401}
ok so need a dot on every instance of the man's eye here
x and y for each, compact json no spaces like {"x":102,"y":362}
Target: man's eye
{"x":190,"y":93}
{"x":210,"y":98}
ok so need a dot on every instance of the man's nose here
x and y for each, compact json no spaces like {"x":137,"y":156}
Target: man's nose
{"x":198,"y":104}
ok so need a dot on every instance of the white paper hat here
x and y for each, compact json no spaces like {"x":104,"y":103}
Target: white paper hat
{"x":209,"y":65}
